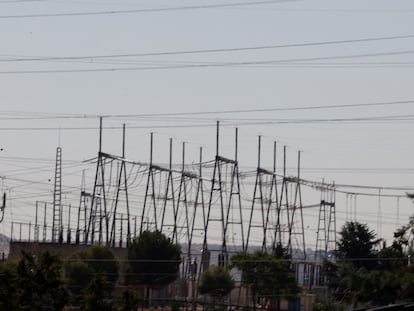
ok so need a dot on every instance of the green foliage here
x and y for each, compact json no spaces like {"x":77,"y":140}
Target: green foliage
{"x":78,"y":275}
{"x":357,"y":244}
{"x":8,"y":278}
{"x":266,"y":274}
{"x":130,"y":300}
{"x":407,"y":284}
{"x":153,"y":260}
{"x":39,"y":283}
{"x":354,"y":278}
{"x":102,"y":261}
{"x":403,"y":234}
{"x":176,"y":305}
{"x":280,"y":252}
{"x":355,"y":284}
{"x":96,"y":293}
{"x":326,"y":303}
{"x":33,"y":283}
{"x":363,"y":275}
{"x":216,"y":282}
{"x":82,"y":266}
{"x":391,"y":258}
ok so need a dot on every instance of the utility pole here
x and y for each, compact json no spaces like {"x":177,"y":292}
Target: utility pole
{"x":3,"y":206}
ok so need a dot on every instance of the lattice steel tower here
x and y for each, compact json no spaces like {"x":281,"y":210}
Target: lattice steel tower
{"x":57,"y":229}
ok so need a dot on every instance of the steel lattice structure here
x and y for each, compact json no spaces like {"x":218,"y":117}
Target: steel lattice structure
{"x":203,"y":206}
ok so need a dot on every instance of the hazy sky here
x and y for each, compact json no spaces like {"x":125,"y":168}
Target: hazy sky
{"x":72,"y":58}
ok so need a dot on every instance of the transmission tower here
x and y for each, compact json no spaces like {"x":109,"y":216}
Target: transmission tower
{"x":82,"y":221}
{"x":149,"y":218}
{"x":331,"y":239}
{"x":297,"y":229}
{"x":262,"y":202}
{"x":98,"y":218}
{"x":193,"y":216}
{"x":185,"y":219}
{"x":227,"y":205}
{"x":122,"y":187}
{"x":57,"y":229}
{"x":282,"y":230}
{"x":234,"y":215}
{"x":169,"y":210}
{"x":326,"y":233}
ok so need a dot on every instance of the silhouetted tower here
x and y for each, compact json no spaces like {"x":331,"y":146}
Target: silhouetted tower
{"x":169,"y":210}
{"x":98,"y":220}
{"x":187,"y":212}
{"x":122,"y":188}
{"x":282,"y":230}
{"x":229,"y":205}
{"x":331,"y":240}
{"x":234,"y":215}
{"x":297,"y":228}
{"x":195,"y":211}
{"x":264,"y":189}
{"x":82,"y":221}
{"x":326,"y":233}
{"x":57,"y":227}
{"x":273,"y":203}
{"x":149,"y":217}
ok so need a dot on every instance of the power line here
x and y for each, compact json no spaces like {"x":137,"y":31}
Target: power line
{"x":20,"y":1}
{"x":339,"y":10}
{"x":389,"y":118}
{"x":214,"y":112}
{"x":399,"y":170}
{"x":313,"y":107}
{"x":31,"y":159}
{"x":148,"y":10}
{"x":209,"y":65}
{"x":204,"y":51}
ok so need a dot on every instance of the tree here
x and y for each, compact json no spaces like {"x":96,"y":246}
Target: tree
{"x":84,"y":265}
{"x":403,"y":235}
{"x":364,"y":275}
{"x":356,"y":244}
{"x":353,"y":278}
{"x":407,"y":283}
{"x":39,"y":283}
{"x":391,"y":258}
{"x":216,"y":282}
{"x":8,"y":288}
{"x":130,"y":300}
{"x":78,"y":275}
{"x":267,"y":275}
{"x":153,"y":261}
{"x":96,"y":293}
{"x":353,"y":285}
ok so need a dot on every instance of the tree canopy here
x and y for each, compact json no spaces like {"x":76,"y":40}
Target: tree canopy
{"x":33,"y":283}
{"x":153,"y":260}
{"x":216,"y":282}
{"x":363,"y":274}
{"x":356,"y":244}
{"x":267,"y":274}
{"x":83,"y":267}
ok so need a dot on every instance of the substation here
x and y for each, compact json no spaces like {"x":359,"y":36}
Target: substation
{"x":211,"y":208}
